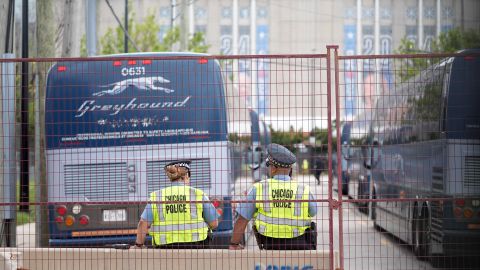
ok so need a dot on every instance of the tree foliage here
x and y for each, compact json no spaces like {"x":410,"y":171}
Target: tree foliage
{"x":448,"y":42}
{"x":145,"y":36}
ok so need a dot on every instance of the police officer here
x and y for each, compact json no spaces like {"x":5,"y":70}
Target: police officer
{"x":185,"y":217}
{"x":280,"y":222}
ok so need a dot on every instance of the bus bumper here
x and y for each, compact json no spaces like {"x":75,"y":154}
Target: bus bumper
{"x":220,"y":239}
{"x":461,"y":243}
{"x":94,"y":241}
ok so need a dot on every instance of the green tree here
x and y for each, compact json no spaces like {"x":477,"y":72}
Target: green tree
{"x":145,"y":36}
{"x":448,"y":42}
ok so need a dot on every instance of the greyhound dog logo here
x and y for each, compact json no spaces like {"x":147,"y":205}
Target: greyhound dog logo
{"x":142,"y":83}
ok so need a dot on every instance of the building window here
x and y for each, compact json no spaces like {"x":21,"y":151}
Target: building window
{"x":244,"y":13}
{"x":165,"y":12}
{"x":412,"y":13}
{"x":429,"y":13}
{"x":226,"y":12}
{"x":447,"y":13}
{"x":350,"y":13}
{"x":200,"y":13}
{"x":262,"y":12}
{"x":368,"y":13}
{"x":385,"y":14}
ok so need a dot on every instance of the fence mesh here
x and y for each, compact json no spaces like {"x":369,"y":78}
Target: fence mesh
{"x":386,"y":147}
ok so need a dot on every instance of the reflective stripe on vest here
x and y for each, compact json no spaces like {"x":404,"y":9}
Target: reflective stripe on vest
{"x":178,"y":227}
{"x":297,"y":211}
{"x":283,"y":221}
{"x":161,"y":217}
{"x":266,"y":196}
{"x":193,"y":204}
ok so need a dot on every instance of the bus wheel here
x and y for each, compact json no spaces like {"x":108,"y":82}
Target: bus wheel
{"x":421,"y":232}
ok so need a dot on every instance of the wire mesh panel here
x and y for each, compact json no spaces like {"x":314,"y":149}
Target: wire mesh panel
{"x":161,"y":152}
{"x":147,"y":160}
{"x":408,"y":155}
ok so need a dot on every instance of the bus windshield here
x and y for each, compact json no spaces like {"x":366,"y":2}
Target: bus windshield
{"x":134,"y":102}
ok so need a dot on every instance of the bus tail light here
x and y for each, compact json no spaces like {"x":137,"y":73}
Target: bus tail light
{"x":468,"y":213}
{"x":132,"y":62}
{"x":460,"y":202}
{"x":147,"y":62}
{"x":457,"y":212}
{"x":117,"y":63}
{"x":61,"y":210}
{"x":61,"y":68}
{"x":59,"y":220}
{"x":69,"y":221}
{"x":202,"y":60}
{"x":84,"y":220}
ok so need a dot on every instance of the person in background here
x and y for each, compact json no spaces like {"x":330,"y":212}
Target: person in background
{"x":281,"y":222}
{"x":185,"y":216}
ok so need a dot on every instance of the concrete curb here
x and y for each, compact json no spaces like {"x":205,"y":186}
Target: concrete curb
{"x":101,"y":258}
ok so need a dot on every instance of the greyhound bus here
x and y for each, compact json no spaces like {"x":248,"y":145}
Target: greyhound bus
{"x":426,"y":146}
{"x":111,"y":126}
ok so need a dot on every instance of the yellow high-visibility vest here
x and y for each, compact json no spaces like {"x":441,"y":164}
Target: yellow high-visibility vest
{"x":177,"y":222}
{"x":278,"y":218}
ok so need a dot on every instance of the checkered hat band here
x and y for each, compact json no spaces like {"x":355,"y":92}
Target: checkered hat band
{"x":183,"y":165}
{"x":277,"y":164}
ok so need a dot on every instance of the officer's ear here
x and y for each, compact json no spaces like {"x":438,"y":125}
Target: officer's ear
{"x":290,"y":173}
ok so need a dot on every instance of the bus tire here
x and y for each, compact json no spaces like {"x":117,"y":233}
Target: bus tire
{"x":421,"y":232}
{"x":374,"y":208}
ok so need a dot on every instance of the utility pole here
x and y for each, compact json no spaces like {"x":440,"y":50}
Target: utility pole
{"x":439,"y":18}
{"x":235,"y":27}
{"x":253,"y":50}
{"x":183,"y":26}
{"x":173,"y":13}
{"x":191,"y":19}
{"x":359,"y":47}
{"x":420,"y":25}
{"x":91,"y":27}
{"x":46,"y":48}
{"x":8,"y":160}
{"x":125,"y":35}
{"x":24,"y":192}
{"x":67,"y":34}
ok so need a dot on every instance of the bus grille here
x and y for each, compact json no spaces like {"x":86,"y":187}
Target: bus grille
{"x":156,"y":178}
{"x":471,"y":175}
{"x":99,"y":182}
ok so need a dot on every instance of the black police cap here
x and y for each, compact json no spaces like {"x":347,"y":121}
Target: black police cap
{"x":280,"y":156}
{"x":180,"y":163}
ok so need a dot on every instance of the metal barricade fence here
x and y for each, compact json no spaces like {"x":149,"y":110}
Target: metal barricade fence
{"x":387,"y":146}
{"x":409,"y":155}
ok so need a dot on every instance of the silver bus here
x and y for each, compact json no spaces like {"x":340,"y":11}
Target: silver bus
{"x":426,"y":157}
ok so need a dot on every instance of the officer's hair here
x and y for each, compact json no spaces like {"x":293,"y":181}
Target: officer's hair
{"x":175,"y":172}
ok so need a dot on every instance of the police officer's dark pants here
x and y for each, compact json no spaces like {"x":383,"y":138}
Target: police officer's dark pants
{"x":307,"y":241}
